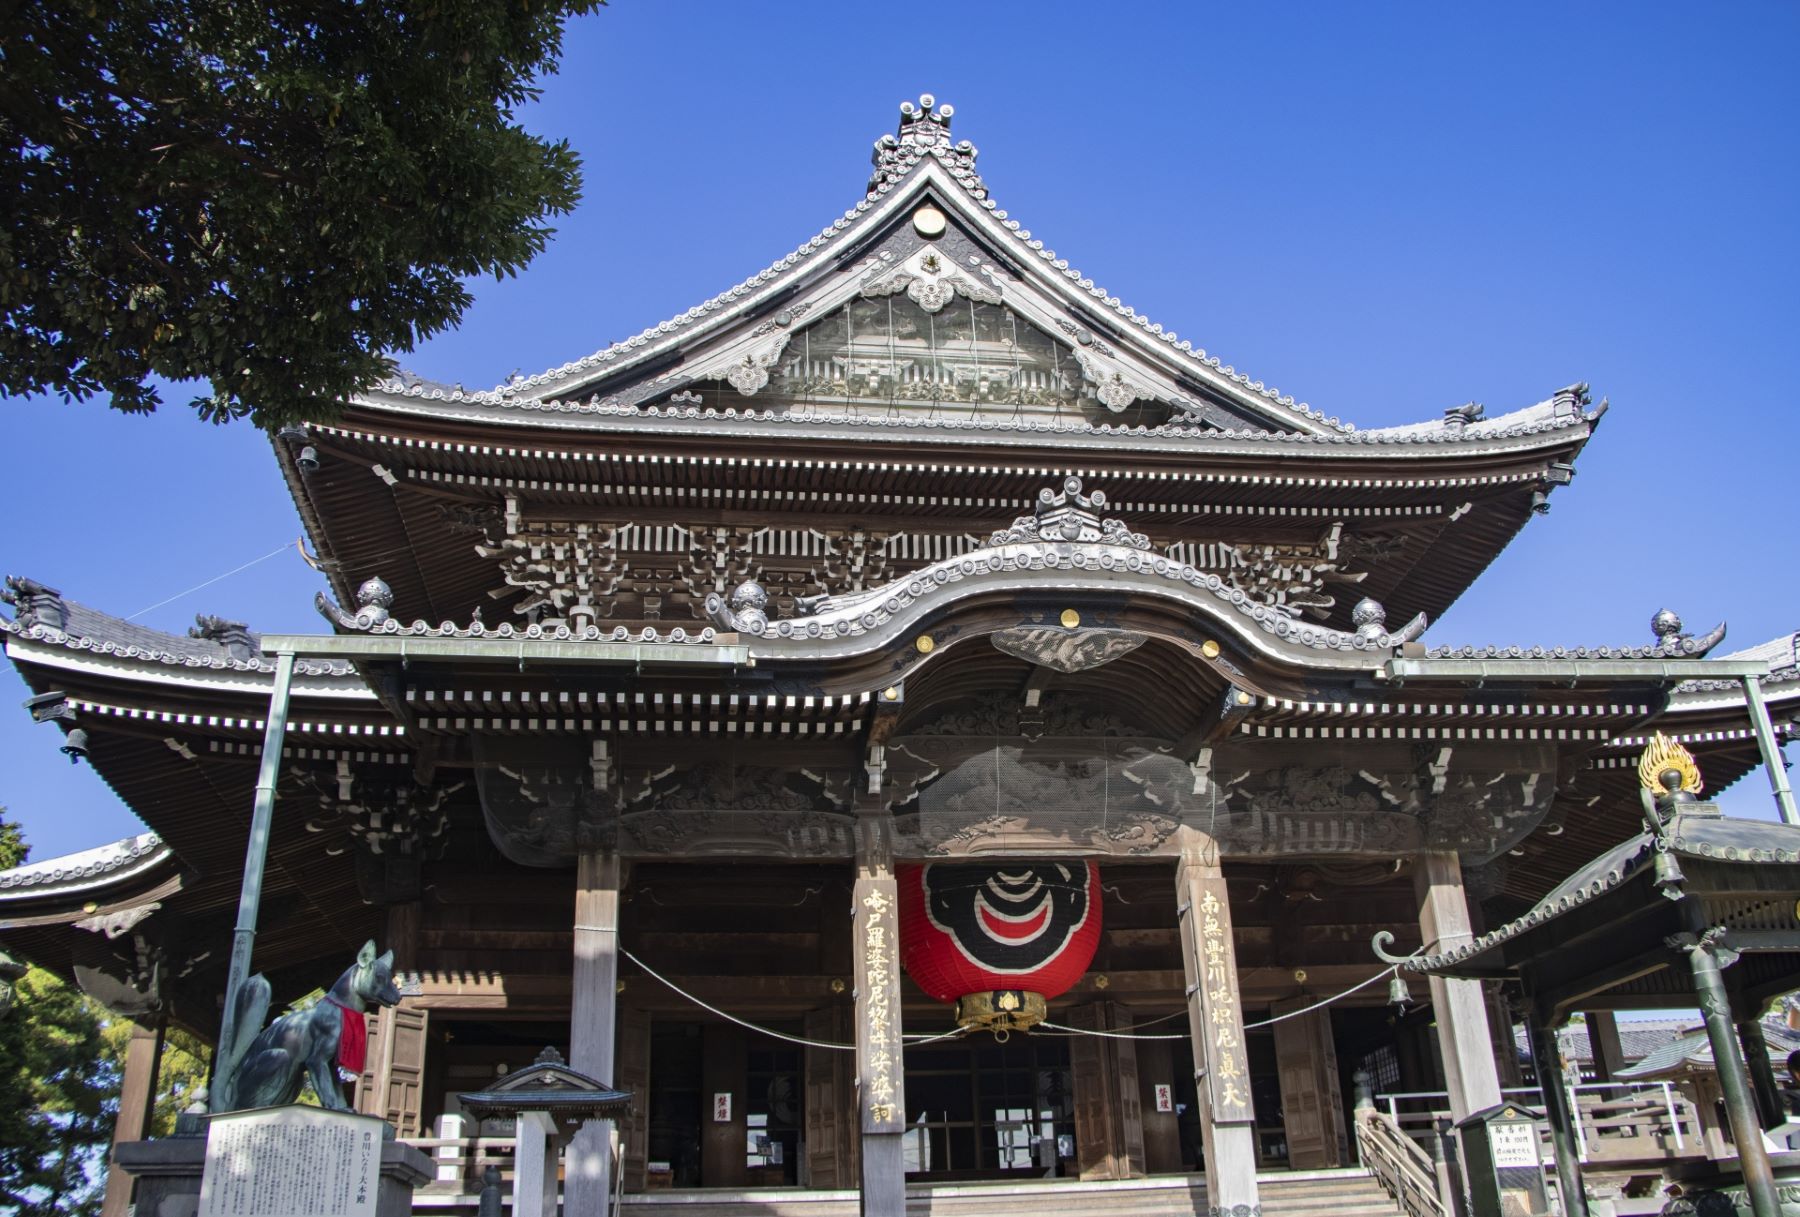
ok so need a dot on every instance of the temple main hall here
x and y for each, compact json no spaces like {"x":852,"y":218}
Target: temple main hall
{"x":910,"y":721}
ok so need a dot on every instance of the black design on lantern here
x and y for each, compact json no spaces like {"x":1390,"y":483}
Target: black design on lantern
{"x":1009,"y":918}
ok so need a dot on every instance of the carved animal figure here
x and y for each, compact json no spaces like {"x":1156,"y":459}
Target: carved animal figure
{"x":268,"y":1070}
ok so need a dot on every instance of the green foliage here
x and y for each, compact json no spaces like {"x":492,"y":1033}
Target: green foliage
{"x":62,"y":1094}
{"x":62,"y":1058}
{"x":181,"y":1070}
{"x":13,"y":850}
{"x":267,"y":196}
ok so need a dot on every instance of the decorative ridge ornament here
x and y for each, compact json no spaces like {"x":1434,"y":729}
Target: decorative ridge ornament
{"x":1069,"y":515}
{"x":924,"y":131}
{"x":1670,"y":640}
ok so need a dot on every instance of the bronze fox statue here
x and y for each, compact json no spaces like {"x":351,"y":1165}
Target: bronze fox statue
{"x":268,"y":1069}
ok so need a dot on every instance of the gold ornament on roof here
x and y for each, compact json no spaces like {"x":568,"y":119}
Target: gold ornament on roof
{"x":1663,"y":755}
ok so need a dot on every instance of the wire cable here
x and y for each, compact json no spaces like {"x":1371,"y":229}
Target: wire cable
{"x":216,"y":578}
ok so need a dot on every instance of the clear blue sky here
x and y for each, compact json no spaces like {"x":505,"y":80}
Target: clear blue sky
{"x":1383,"y":209}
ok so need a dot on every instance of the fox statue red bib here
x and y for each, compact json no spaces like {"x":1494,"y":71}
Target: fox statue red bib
{"x":999,"y":939}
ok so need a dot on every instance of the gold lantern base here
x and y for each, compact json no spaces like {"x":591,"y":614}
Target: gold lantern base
{"x":1004,"y":1010}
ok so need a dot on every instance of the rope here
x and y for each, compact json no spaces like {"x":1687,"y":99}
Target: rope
{"x":1267,"y":1022}
{"x":216,"y":578}
{"x":1111,"y":1035}
{"x":771,"y":1033}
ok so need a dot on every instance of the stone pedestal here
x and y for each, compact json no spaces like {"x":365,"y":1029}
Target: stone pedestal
{"x":168,"y":1171}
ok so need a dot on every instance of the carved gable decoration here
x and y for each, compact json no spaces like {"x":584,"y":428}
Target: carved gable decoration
{"x":930,"y":280}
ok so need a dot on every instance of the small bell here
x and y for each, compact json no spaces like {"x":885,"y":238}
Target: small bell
{"x":1398,"y":994}
{"x":1668,"y":875}
{"x":75,"y":745}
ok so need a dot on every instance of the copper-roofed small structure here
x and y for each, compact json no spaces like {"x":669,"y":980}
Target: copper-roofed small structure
{"x":1655,"y":922}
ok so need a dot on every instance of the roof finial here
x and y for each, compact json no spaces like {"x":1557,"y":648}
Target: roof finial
{"x":924,"y":131}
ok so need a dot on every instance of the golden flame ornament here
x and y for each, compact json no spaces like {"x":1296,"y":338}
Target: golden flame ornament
{"x":1662,"y":755}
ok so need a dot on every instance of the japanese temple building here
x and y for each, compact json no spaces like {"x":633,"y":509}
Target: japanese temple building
{"x":651,"y":680}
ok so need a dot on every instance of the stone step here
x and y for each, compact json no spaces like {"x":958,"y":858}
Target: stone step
{"x":1337,"y":1193}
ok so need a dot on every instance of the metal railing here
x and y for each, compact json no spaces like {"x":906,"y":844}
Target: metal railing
{"x":1615,"y":1121}
{"x":1404,"y":1170}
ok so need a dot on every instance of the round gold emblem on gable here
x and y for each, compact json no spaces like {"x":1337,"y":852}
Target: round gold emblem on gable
{"x":929,"y":222}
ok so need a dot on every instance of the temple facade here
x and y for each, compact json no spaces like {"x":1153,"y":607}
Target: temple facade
{"x":913,"y":586}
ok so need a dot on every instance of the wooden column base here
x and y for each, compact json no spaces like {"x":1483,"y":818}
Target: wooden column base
{"x":883,"y":1175}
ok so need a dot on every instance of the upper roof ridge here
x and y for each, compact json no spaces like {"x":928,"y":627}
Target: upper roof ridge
{"x":924,"y":131}
{"x":922,"y":138}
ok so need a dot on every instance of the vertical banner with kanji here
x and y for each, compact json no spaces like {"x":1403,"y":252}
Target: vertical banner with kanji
{"x":878,"y":1044}
{"x":1215,"y":1012}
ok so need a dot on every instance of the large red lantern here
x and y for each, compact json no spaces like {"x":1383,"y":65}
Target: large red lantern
{"x":999,"y":939}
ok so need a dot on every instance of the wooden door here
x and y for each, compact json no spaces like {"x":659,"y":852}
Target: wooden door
{"x":1311,"y":1097}
{"x":1087,"y":1077}
{"x":402,"y":1086}
{"x":633,"y":1066}
{"x":829,"y":1110}
{"x":1109,"y":1119}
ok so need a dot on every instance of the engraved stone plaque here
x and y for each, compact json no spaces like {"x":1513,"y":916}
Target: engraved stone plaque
{"x":292,"y":1161}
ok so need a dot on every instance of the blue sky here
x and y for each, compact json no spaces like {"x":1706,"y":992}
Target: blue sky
{"x":1384,"y":210}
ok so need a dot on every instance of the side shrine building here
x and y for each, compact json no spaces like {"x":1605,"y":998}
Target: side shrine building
{"x":907,"y":718}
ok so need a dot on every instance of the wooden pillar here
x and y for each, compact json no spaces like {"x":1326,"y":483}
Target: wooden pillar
{"x":137,"y":1102}
{"x":1216,"y":1023}
{"x":1109,"y":1122}
{"x":881,"y":1088}
{"x":1312,"y":1099}
{"x":587,"y":1164}
{"x":1603,"y":1044}
{"x":1458,"y":1005}
{"x":534,"y":1166}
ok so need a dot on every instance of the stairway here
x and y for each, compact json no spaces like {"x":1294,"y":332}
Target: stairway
{"x":1333,"y":1193}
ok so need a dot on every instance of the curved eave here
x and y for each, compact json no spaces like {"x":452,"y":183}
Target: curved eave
{"x":112,"y":878}
{"x":53,"y":650}
{"x":477,"y":423}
